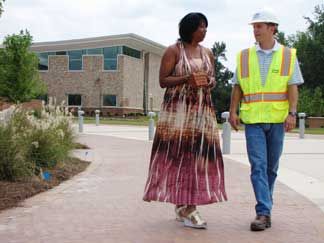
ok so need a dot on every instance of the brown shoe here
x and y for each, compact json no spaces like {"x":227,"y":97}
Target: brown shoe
{"x":261,"y":222}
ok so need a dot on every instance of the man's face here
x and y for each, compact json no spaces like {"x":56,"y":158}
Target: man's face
{"x":262,"y":32}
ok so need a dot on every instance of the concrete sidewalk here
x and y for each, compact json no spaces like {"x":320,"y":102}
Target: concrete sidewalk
{"x":301,"y":165}
{"x":104,"y":204}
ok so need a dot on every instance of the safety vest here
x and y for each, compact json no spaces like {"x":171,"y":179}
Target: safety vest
{"x":268,"y":103}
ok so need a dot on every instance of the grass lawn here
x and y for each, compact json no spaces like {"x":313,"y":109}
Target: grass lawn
{"x":144,"y":121}
{"x":134,"y":121}
{"x":318,"y":131}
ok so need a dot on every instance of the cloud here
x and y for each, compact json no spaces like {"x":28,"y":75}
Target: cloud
{"x":155,"y":20}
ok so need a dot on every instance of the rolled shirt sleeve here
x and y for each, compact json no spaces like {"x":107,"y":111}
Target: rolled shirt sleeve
{"x":234,"y":79}
{"x":296,"y":77}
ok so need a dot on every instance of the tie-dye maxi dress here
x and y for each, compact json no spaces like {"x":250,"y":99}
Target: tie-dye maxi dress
{"x":186,"y":165}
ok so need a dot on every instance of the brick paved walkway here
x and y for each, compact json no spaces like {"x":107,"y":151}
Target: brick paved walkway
{"x":104,"y":204}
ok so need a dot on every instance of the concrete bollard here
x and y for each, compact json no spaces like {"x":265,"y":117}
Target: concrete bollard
{"x":151,"y":125}
{"x":80,"y":114}
{"x":301,"y":117}
{"x":226,"y":134}
{"x":97,"y":117}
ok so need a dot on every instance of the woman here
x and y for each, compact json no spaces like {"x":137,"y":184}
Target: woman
{"x":186,"y":166}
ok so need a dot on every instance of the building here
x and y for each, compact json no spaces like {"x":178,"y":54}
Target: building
{"x":117,"y":74}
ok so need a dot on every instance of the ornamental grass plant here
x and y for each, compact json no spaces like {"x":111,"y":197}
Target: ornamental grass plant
{"x":35,"y":140}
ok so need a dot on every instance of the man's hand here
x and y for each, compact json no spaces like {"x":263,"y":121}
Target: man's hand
{"x":234,"y":120}
{"x":236,"y":96}
{"x":290,"y":123}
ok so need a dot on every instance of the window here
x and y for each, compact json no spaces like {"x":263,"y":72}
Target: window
{"x":110,"y":57}
{"x":109,"y":100}
{"x":74,"y":100}
{"x":110,"y":64}
{"x":75,"y":56}
{"x":75,"y":59}
{"x":43,"y":61}
{"x":44,"y":98}
{"x":60,"y":53}
{"x":96,"y":51}
{"x":131,"y":52}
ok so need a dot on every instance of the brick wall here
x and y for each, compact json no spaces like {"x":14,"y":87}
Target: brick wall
{"x":127,"y":82}
{"x":153,"y":82}
{"x":315,"y":122}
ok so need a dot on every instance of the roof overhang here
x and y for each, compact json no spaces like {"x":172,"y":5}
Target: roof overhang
{"x":132,"y":40}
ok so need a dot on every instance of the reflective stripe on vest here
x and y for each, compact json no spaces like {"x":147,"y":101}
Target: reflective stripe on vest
{"x":285,"y":64}
{"x":265,"y":97}
{"x":245,"y":63}
{"x":286,"y":60}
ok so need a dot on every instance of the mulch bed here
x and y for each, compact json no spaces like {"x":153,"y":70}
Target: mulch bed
{"x":30,"y":105}
{"x":4,"y":104}
{"x":81,"y":146}
{"x":12,"y":193}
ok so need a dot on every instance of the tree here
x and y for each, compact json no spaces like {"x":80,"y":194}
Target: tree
{"x":19,"y":76}
{"x":221,"y":94}
{"x":1,"y":6}
{"x":310,"y":49}
{"x":310,"y":52}
{"x":281,"y":38}
{"x":311,"y":101}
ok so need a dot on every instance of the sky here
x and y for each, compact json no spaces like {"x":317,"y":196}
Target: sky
{"x":49,"y":20}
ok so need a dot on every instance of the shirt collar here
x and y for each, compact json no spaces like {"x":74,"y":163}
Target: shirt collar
{"x":275,"y":47}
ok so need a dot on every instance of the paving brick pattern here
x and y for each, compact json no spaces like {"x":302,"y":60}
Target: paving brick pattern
{"x":104,"y":204}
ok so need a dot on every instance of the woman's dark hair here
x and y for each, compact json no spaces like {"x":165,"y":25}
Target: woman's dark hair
{"x":189,"y":24}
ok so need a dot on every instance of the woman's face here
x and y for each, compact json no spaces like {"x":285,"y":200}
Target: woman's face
{"x":200,"y":33}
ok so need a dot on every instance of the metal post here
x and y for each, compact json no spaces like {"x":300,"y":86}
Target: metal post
{"x":151,"y":125}
{"x":80,"y":114}
{"x":97,"y":117}
{"x":151,"y":102}
{"x":301,"y":116}
{"x":226,"y":135}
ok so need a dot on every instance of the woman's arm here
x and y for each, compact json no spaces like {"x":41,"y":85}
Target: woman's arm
{"x":168,"y":62}
{"x":212,"y":80}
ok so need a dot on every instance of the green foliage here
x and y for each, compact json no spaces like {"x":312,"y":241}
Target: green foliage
{"x":311,"y":101}
{"x":51,"y":145}
{"x":221,"y":94}
{"x":14,"y":149}
{"x":19,"y":76}
{"x":310,"y":52}
{"x":28,"y":143}
{"x":310,"y":49}
{"x":281,"y":38}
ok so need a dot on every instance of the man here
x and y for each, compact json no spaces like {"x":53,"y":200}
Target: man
{"x":265,"y":86}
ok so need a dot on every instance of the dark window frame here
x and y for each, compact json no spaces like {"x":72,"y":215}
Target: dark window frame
{"x":75,"y":105}
{"x":112,"y":95}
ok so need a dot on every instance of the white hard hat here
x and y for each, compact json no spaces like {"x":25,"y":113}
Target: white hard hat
{"x":264,"y":17}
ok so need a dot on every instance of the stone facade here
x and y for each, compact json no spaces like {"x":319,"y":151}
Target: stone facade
{"x":135,"y":82}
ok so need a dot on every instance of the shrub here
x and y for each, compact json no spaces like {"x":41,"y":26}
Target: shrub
{"x":30,"y":142}
{"x":14,"y":150}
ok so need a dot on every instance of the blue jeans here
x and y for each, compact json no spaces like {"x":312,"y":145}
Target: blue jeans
{"x":264,"y":146}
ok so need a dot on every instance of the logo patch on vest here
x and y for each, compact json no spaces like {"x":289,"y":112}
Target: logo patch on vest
{"x":275,"y":71}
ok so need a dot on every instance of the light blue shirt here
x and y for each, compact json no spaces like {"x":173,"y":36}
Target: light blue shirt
{"x":265,"y":58}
